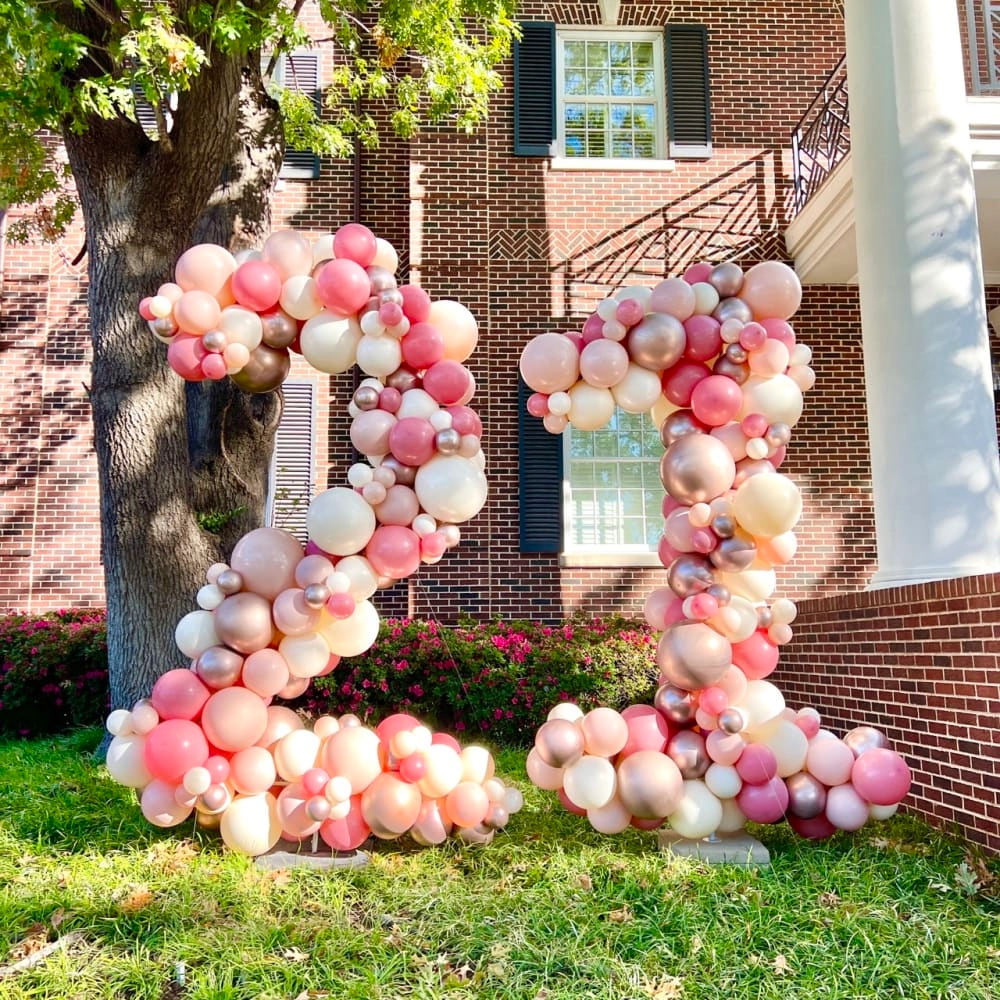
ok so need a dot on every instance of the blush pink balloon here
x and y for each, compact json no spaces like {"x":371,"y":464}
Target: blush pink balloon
{"x":764,"y":803}
{"x":448,"y":382}
{"x":400,"y":506}
{"x":713,"y":700}
{"x":265,"y":672}
{"x":629,"y":312}
{"x":757,"y":764}
{"x":213,"y":366}
{"x":179,"y":694}
{"x":647,"y":730}
{"x":422,"y":346}
{"x":465,"y":420}
{"x":704,"y":339}
{"x":604,"y":363}
{"x":173,"y":747}
{"x":355,"y":242}
{"x":411,"y":441}
{"x":197,"y":312}
{"x":234,"y":718}
{"x":778,"y":329}
{"x":756,"y":656}
{"x":593,"y":329}
{"x":370,"y":431}
{"x":257,"y":285}
{"x":698,"y":273}
{"x":416,"y":303}
{"x":663,"y":608}
{"x":295,"y":822}
{"x":185,"y":355}
{"x":394,"y":551}
{"x":266,"y":559}
{"x":343,"y":286}
{"x":680,"y":380}
{"x":207,"y":267}
{"x":716,"y":400}
{"x":291,"y":614}
{"x":881,"y":776}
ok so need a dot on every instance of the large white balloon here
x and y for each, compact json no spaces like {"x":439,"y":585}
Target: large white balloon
{"x":330,"y":342}
{"x":126,"y":761}
{"x":195,"y":632}
{"x":451,"y":488}
{"x":353,"y":635}
{"x":250,"y":825}
{"x":340,"y":521}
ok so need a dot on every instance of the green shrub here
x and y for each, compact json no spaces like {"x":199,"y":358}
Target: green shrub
{"x":53,"y":671}
{"x":495,"y":680}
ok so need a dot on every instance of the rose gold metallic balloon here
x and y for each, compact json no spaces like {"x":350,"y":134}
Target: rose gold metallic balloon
{"x":390,"y":806}
{"x":690,"y":574}
{"x":732,"y":720}
{"x":279,"y":329}
{"x":243,"y":622}
{"x":229,"y":582}
{"x":726,"y":279}
{"x":864,"y":738}
{"x":806,"y":795}
{"x":678,"y":424}
{"x":559,"y":743}
{"x":219,"y":667}
{"x":693,"y":655}
{"x":649,"y":784}
{"x":266,"y":369}
{"x":732,"y":555}
{"x":657,"y":342}
{"x":675,"y":703}
{"x":732,"y":308}
{"x":738,"y":373}
{"x":402,"y":379}
{"x":366,"y":397}
{"x":697,"y":468}
{"x":687,"y":750}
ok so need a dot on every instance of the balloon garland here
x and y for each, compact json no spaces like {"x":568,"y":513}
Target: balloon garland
{"x":207,"y":740}
{"x":713,"y":356}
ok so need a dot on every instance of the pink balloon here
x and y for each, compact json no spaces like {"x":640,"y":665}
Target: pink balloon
{"x":394,"y":551}
{"x":752,"y":336}
{"x":698,"y":273}
{"x":704,"y":339}
{"x":343,"y":286}
{"x":399,"y":507}
{"x":778,"y":329}
{"x":348,"y":833}
{"x":881,"y":776}
{"x":257,"y":285}
{"x":185,"y":355}
{"x":448,"y":382}
{"x":724,"y":748}
{"x":662,"y":608}
{"x":465,"y":420}
{"x":291,"y":614}
{"x":416,"y":303}
{"x":550,"y":363}
{"x":207,"y":267}
{"x":757,"y":764}
{"x":213,"y":366}
{"x":817,"y":828}
{"x":629,"y":312}
{"x":829,"y":760}
{"x":604,"y":362}
{"x":756,"y":656}
{"x":197,"y":312}
{"x":647,"y":730}
{"x":764,"y":803}
{"x":179,"y":694}
{"x":845,"y":809}
{"x":423,"y":346}
{"x":446,"y":739}
{"x":144,"y":310}
{"x":568,"y":804}
{"x":538,"y":404}
{"x":399,"y":722}
{"x":716,"y":400}
{"x":411,"y":440}
{"x":234,"y":718}
{"x":265,"y":672}
{"x":356,"y":243}
{"x":266,"y":559}
{"x":593,"y":329}
{"x":160,"y":806}
{"x":390,"y":399}
{"x":680,"y":380}
{"x":295,"y":822}
{"x":341,"y":605}
{"x":370,"y":431}
{"x":713,"y":700}
{"x":433,"y":544}
{"x":173,"y":747}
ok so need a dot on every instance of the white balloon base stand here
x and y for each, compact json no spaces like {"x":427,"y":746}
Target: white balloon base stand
{"x":308,"y":854}
{"x":726,"y":849}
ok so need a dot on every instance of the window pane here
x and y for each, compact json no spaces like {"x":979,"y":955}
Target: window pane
{"x":575,"y":115}
{"x":597,"y":54}
{"x":643,"y":116}
{"x":576,"y":83}
{"x":598,"y":84}
{"x":621,"y":84}
{"x":642,"y":55}
{"x":643,"y":83}
{"x":597,"y":144}
{"x":575,"y":53}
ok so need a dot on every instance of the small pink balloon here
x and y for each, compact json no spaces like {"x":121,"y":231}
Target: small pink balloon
{"x":341,"y":605}
{"x":257,"y":285}
{"x":698,"y":273}
{"x":197,"y":312}
{"x":538,"y":404}
{"x":433,"y":545}
{"x":817,"y":828}
{"x":448,"y":382}
{"x":716,"y":400}
{"x":704,"y":339}
{"x":355,"y":242}
{"x":754,"y":425}
{"x":411,"y":440}
{"x":593,"y":329}
{"x":757,"y":764}
{"x":390,"y":399}
{"x":764,"y":803}
{"x":713,"y":700}
{"x":703,"y":607}
{"x":179,"y":694}
{"x":422,"y":346}
{"x":394,"y":551}
{"x":629,"y":312}
{"x":752,"y":337}
{"x":213,"y":367}
{"x":778,"y":329}
{"x":265,"y":672}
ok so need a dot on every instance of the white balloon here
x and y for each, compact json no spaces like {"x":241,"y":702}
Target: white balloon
{"x":250,"y":825}
{"x":788,"y":743}
{"x":330,"y":342}
{"x":638,"y":391}
{"x":591,"y":782}
{"x":340,"y":521}
{"x":706,"y":298}
{"x":732,"y":817}
{"x":450,"y":488}
{"x":698,"y":813}
{"x":566,"y":710}
{"x":195,"y":632}
{"x":361,"y":578}
{"x":242,"y":326}
{"x":351,"y":636}
{"x":295,"y":753}
{"x":379,"y":356}
{"x":756,"y":585}
{"x":417,"y":403}
{"x":299,"y":297}
{"x":126,"y":761}
{"x":761,"y":703}
{"x":119,"y":722}
{"x":723,"y":781}
{"x":210,"y":597}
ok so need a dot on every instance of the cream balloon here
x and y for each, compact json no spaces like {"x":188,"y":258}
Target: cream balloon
{"x":299,"y":297}
{"x":250,"y":825}
{"x":590,"y":407}
{"x":379,"y":356}
{"x":126,"y":763}
{"x":351,"y":636}
{"x":195,"y":633}
{"x":639,"y":390}
{"x":295,"y":753}
{"x":330,"y":342}
{"x":755,"y":585}
{"x":788,"y":743}
{"x":306,"y":655}
{"x":723,"y":781}
{"x":761,"y":703}
{"x":698,"y":813}
{"x":767,"y":505}
{"x":777,"y":397}
{"x":361,"y":577}
{"x":451,"y":488}
{"x":241,"y":326}
{"x":340,"y":521}
{"x":457,"y":326}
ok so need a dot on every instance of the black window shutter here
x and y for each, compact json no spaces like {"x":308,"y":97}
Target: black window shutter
{"x":540,"y":479}
{"x":298,"y":71}
{"x":535,"y":89}
{"x":689,"y":113}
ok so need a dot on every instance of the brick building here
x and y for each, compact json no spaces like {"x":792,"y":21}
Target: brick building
{"x":632,"y":139}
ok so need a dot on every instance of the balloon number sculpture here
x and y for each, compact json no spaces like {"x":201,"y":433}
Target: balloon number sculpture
{"x":713,"y":357}
{"x":208,"y":740}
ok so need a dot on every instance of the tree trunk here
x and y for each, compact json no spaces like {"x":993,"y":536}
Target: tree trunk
{"x":142,"y":206}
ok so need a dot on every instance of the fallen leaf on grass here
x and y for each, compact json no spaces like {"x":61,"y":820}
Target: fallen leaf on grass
{"x":780,"y":965}
{"x":584,"y":882}
{"x":829,"y":899}
{"x":696,"y":945}
{"x":668,"y":988}
{"x":138,"y":898}
{"x":277,"y":877}
{"x":621,"y":916}
{"x":295,"y":955}
{"x":35,"y":940}
{"x":58,"y":917}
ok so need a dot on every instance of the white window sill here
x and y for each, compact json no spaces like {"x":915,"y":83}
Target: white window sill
{"x":609,"y":558}
{"x":610,"y":163}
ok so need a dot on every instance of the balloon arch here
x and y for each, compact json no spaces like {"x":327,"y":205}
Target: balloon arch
{"x":711,"y":354}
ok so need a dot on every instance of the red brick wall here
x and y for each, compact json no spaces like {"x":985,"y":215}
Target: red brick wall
{"x":921,"y":663}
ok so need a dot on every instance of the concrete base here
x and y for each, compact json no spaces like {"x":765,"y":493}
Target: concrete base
{"x":308,"y":854}
{"x":728,"y":848}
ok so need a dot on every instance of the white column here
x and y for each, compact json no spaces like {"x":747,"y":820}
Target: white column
{"x":935,"y":468}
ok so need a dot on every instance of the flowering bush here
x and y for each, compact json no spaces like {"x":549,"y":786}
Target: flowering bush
{"x":497,"y":680}
{"x":53,"y":671}
{"x":491,"y":680}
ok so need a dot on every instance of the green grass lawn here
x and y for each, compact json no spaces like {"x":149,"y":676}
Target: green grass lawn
{"x":550,"y":910}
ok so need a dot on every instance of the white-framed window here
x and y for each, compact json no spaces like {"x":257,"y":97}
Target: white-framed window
{"x":612,"y":493}
{"x":292,"y":470}
{"x":610,"y":95}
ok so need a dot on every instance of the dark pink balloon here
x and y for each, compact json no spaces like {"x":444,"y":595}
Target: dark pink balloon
{"x":394,"y":551}
{"x":756,"y":656}
{"x":343,"y":286}
{"x":666,"y":552}
{"x":173,"y":747}
{"x":179,"y":694}
{"x":647,"y":730}
{"x":433,"y":544}
{"x":757,"y":764}
{"x":411,"y":440}
{"x":416,"y":303}
{"x":754,"y":425}
{"x":817,"y":828}
{"x":422,"y":346}
{"x":593,"y":328}
{"x":465,"y":420}
{"x":144,"y":310}
{"x":538,"y":404}
{"x":390,"y":313}
{"x":257,"y":285}
{"x":716,"y":400}
{"x":448,"y":382}
{"x":697,"y":273}
{"x":680,"y":380}
{"x":779,"y":329}
{"x":341,"y":605}
{"x":390,"y":399}
{"x":763,"y":803}
{"x":881,"y":776}
{"x":356,"y":243}
{"x":629,"y":312}
{"x":185,"y":355}
{"x":704,"y":340}
{"x":348,"y":833}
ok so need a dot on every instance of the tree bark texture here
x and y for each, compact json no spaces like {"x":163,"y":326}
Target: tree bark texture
{"x":166,"y":452}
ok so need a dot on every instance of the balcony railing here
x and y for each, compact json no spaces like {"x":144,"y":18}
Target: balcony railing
{"x":821,"y":139}
{"x":982,"y":19}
